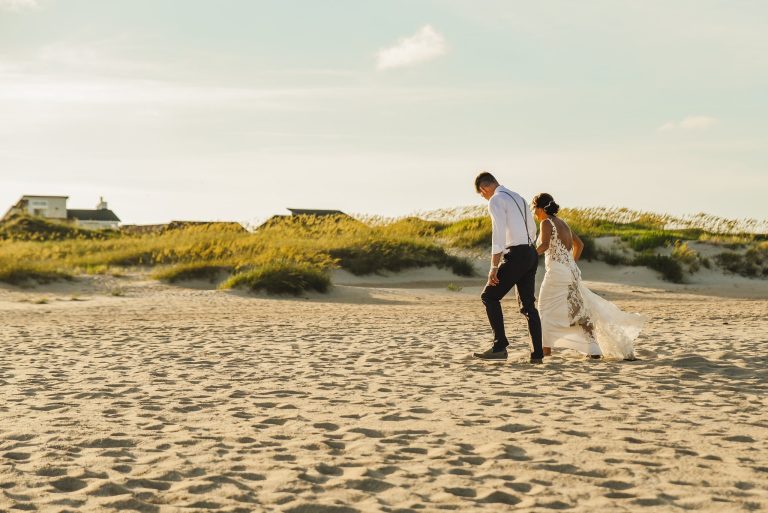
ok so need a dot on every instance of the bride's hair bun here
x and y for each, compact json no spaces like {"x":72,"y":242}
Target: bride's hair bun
{"x":547,"y":202}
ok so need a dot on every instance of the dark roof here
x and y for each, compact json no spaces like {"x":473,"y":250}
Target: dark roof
{"x":312,"y":212}
{"x":102,"y":214}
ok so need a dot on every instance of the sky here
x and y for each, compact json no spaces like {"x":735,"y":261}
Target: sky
{"x":235,"y":110}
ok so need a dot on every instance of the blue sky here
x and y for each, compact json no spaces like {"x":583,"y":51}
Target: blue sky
{"x":235,"y":110}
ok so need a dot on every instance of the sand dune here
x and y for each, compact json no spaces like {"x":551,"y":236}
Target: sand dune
{"x":164,"y":399}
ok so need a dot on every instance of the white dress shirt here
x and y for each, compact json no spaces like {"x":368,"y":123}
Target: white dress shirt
{"x":509,"y":221}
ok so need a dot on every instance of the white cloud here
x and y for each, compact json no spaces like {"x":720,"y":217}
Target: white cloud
{"x":697,"y":123}
{"x":17,"y":5}
{"x":424,"y":45}
{"x":689,"y":123}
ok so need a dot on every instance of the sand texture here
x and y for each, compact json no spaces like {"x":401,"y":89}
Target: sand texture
{"x":165,"y":399}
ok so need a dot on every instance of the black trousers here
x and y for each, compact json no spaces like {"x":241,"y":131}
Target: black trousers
{"x":518,"y":268}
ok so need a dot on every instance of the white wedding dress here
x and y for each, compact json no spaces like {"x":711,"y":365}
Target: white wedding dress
{"x":574,"y":317}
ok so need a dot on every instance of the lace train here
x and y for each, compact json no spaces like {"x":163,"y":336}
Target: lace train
{"x":574,"y":317}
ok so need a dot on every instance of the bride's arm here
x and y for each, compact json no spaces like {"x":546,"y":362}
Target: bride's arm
{"x":578,"y":246}
{"x":546,"y":235}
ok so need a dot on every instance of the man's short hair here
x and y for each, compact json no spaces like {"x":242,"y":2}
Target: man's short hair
{"x":484,"y":179}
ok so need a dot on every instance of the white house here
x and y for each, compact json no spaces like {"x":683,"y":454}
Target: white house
{"x":50,"y":207}
{"x":55,"y":207}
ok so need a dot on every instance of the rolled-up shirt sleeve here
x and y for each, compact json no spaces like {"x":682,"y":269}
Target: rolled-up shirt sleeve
{"x":498,"y":224}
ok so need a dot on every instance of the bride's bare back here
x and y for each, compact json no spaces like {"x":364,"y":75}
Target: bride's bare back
{"x":563,"y":232}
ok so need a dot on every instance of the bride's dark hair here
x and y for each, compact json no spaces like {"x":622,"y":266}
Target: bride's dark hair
{"x":547,"y":202}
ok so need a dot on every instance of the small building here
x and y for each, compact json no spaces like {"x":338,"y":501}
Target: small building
{"x":100,"y":218}
{"x":315,"y":212}
{"x":55,"y":208}
{"x":49,"y":207}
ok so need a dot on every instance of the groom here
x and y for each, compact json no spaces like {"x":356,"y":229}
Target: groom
{"x":513,"y":263}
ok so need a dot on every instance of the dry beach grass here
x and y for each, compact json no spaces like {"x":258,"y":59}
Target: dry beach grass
{"x":166,"y":399}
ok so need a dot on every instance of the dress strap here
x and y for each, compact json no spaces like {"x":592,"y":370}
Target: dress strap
{"x":552,"y":223}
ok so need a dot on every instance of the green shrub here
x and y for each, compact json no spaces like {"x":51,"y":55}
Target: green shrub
{"x":281,"y":279}
{"x":670,"y":269}
{"x":612,"y":257}
{"x":192,"y":271}
{"x":753,"y":263}
{"x":459,"y":266}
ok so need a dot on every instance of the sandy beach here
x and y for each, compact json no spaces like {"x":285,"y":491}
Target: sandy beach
{"x":128,"y":394}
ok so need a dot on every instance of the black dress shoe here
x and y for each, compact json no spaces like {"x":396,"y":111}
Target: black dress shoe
{"x":537,"y":361}
{"x":595,"y":356}
{"x":491,"y":355}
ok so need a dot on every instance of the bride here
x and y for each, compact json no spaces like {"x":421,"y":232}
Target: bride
{"x":572,"y":316}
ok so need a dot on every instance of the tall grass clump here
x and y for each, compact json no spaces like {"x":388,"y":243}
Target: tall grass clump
{"x":373,"y":256}
{"x":410,"y":227}
{"x":687,"y":256}
{"x":30,"y":228}
{"x":281,"y":278}
{"x":468,"y":233}
{"x":26,"y":273}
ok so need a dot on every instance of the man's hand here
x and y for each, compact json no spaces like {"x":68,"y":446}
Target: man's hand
{"x":493,"y":278}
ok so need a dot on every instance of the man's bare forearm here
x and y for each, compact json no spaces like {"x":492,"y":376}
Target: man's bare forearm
{"x":496,"y":259}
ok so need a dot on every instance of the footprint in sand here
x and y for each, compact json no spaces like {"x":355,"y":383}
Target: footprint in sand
{"x":68,"y":484}
{"x":499,"y":497}
{"x":49,"y":471}
{"x":467,"y":493}
{"x":110,"y":490}
{"x":148,"y":483}
{"x":327,"y":426}
{"x":329,"y":470}
{"x":321,"y":508}
{"x":369,"y":485}
{"x":17,"y":456}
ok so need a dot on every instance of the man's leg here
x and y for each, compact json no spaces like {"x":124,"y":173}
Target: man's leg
{"x":526,"y":292}
{"x":509,"y":273}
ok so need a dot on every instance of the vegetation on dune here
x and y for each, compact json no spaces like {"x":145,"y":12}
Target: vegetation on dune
{"x":295,"y":251}
{"x":39,"y":229}
{"x":297,"y":245}
{"x":753,"y":263}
